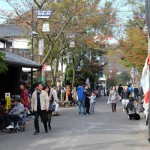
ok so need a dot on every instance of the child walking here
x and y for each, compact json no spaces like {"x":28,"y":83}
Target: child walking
{"x":92,"y":102}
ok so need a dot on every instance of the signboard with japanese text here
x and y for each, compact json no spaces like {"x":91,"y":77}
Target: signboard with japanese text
{"x":44,"y":14}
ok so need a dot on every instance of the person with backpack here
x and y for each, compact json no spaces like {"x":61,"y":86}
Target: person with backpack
{"x":113,"y":98}
{"x":131,"y":110}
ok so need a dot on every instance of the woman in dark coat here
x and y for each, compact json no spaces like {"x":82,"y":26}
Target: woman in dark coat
{"x":131,"y":110}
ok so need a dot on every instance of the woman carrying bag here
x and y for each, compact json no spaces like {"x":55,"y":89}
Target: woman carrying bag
{"x":113,"y":98}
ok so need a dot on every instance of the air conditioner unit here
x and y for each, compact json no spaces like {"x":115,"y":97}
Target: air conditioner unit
{"x":24,"y":77}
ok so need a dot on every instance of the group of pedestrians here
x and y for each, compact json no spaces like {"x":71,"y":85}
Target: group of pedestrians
{"x":86,"y":100}
{"x":129,"y":103}
{"x":43,"y":103}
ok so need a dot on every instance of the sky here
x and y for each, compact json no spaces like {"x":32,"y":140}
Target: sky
{"x":5,"y":6}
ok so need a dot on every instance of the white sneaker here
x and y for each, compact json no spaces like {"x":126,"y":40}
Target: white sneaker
{"x":10,"y":127}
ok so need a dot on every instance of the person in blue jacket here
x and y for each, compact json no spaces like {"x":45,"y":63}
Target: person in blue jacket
{"x":81,"y":99}
{"x":130,"y":89}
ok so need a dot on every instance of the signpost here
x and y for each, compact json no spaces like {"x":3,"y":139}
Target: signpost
{"x":44,"y":14}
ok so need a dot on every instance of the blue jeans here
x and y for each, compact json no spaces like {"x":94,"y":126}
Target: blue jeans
{"x":81,"y":107}
{"x":136,"y":96}
{"x":92,"y":106}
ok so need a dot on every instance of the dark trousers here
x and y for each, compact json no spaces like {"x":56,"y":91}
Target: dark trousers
{"x":88,"y":110}
{"x":49,"y":117}
{"x":4,"y":121}
{"x":14,"y":118}
{"x":135,"y":116}
{"x":43,"y":116}
{"x":113,"y":105}
{"x":7,"y":120}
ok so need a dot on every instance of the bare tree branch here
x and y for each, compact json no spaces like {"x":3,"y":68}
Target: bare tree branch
{"x":39,"y":5}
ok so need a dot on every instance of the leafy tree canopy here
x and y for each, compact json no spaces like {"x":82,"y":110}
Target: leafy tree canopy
{"x":3,"y":66}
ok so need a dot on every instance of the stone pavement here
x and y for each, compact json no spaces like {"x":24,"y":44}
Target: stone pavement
{"x":102,"y":131}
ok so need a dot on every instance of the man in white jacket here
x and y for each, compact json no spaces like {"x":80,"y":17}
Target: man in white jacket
{"x":40,"y":107}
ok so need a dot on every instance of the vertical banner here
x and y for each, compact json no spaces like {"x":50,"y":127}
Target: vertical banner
{"x":8,"y":101}
{"x":41,"y":47}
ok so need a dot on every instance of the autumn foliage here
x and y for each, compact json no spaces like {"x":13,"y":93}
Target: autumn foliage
{"x":134,"y":48}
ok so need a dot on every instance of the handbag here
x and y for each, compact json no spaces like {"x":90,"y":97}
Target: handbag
{"x":52,"y":107}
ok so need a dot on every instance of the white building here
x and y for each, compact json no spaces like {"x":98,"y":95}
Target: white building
{"x":13,"y":37}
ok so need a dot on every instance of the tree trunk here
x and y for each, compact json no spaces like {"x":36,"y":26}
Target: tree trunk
{"x":74,"y":74}
{"x":52,"y":73}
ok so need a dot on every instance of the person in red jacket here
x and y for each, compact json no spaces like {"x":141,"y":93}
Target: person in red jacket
{"x":25,"y":100}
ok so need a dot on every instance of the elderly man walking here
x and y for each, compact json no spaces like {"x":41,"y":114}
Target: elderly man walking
{"x":40,"y":107}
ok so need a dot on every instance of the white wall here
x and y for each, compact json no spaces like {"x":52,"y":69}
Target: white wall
{"x":21,"y":43}
{"x":1,"y":45}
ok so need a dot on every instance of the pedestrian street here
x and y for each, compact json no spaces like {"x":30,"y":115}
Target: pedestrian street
{"x":103,"y":130}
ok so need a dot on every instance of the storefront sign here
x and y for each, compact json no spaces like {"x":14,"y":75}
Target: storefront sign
{"x":8,"y":101}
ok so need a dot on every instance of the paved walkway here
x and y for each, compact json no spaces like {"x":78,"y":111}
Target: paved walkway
{"x":102,"y":131}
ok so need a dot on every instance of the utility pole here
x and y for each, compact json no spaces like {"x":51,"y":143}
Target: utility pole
{"x":32,"y":26}
{"x":61,"y":69}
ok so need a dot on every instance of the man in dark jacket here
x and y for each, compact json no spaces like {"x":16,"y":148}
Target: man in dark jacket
{"x":120,"y":89}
